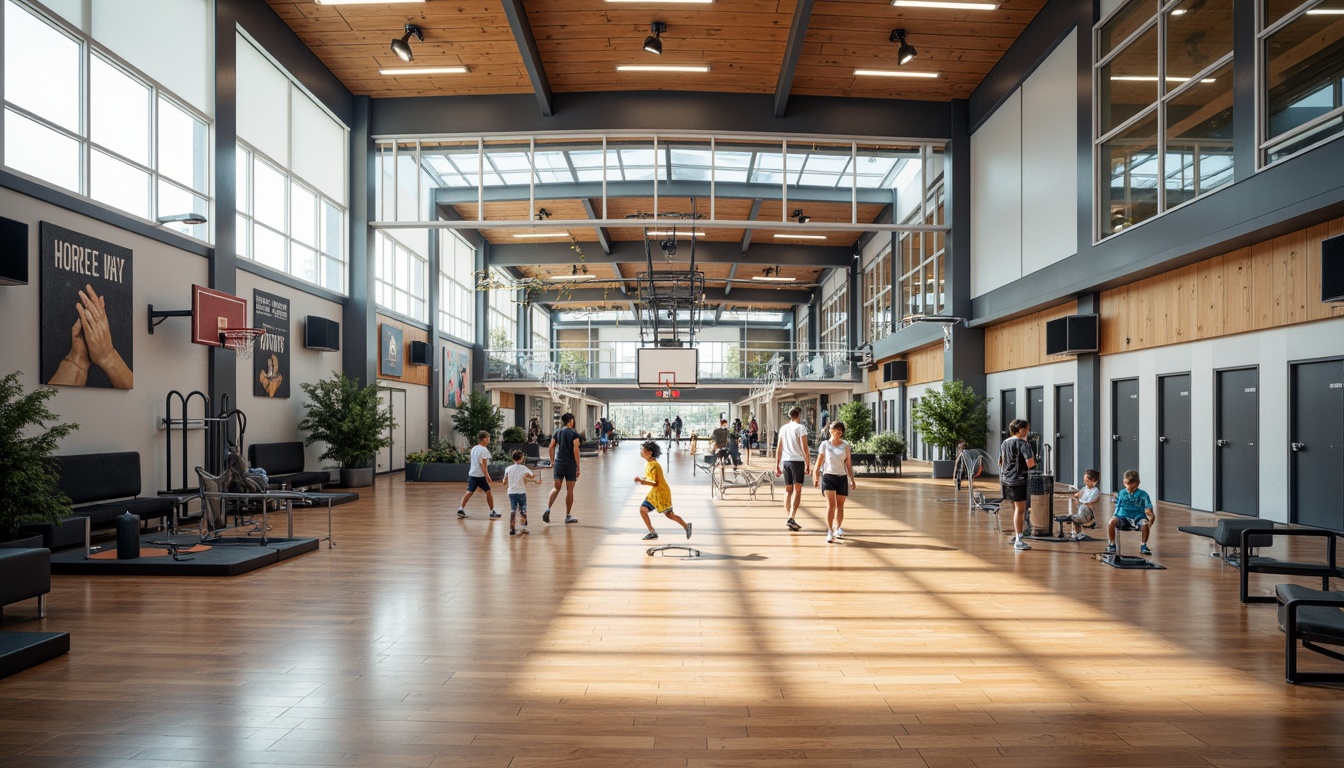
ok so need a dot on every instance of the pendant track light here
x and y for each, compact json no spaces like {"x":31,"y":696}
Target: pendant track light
{"x":654,"y":43}
{"x":402,"y":45}
{"x":906,"y":53}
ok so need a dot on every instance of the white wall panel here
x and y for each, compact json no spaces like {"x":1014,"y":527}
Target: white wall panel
{"x":171,"y":42}
{"x":996,"y":199}
{"x":1047,"y":376}
{"x":1049,"y":154}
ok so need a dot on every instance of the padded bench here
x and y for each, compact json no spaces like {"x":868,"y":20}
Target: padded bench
{"x":283,"y":463}
{"x":1326,"y":568}
{"x":25,"y":573}
{"x":1226,"y":534}
{"x":1315,"y":618}
{"x":101,"y":486}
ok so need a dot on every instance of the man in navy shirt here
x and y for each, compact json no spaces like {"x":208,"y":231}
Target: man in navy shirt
{"x":564,"y":466}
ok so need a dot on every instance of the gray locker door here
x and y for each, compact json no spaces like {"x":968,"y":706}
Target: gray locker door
{"x":1036,"y":418}
{"x":1173,"y":438}
{"x":1007,"y":411}
{"x":1064,"y":436}
{"x":1237,"y":438}
{"x":1318,"y":444}
{"x":1124,"y":430}
{"x":393,"y":457}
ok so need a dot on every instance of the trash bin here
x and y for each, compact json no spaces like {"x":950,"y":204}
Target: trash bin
{"x":1040,"y":499}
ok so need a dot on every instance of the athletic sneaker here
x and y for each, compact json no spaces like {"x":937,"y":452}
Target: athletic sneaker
{"x":1021,"y":545}
{"x":523,"y":530}
{"x":650,"y":536}
{"x":688,"y":529}
{"x":793,"y":526}
{"x":546,"y":516}
{"x":495,"y":515}
{"x":569,"y":519}
{"x":839,"y":532}
{"x":1079,"y":537}
{"x":1110,"y":549}
{"x":830,"y":536}
{"x":1144,"y":550}
{"x":461,"y":513}
{"x":512,"y":532}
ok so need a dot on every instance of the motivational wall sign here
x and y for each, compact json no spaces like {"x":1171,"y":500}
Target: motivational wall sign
{"x":270,"y":361}
{"x":85,"y":324}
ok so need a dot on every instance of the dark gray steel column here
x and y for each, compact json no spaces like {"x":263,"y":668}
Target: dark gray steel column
{"x":964,"y":357}
{"x":359,"y":316}
{"x":482,"y":324}
{"x":222,"y":371}
{"x":1087,"y":398}
{"x":436,"y":372}
{"x":1243,"y":91}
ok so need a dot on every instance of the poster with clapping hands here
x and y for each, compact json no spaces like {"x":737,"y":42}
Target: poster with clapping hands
{"x":86,"y":334}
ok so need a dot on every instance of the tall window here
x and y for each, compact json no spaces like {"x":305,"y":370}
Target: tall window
{"x":291,"y":176}
{"x":457,"y":306}
{"x":1164,"y":107}
{"x":835,"y":320}
{"x":1303,"y":77}
{"x":400,"y":278}
{"x":801,"y":334}
{"x":503,"y":311}
{"x":877,"y":298}
{"x":111,"y":135}
{"x":541,"y":329}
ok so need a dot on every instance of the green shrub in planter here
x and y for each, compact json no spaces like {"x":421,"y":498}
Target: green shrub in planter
{"x":887,"y":444}
{"x":478,"y":414}
{"x":348,"y":419}
{"x":515,"y":435}
{"x":858,"y":422}
{"x":30,"y":490}
{"x":948,"y":416}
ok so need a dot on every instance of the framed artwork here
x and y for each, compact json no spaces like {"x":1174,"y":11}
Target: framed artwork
{"x":456,"y":377}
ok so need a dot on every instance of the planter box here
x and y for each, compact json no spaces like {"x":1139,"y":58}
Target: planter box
{"x":447,"y":473}
{"x":943,"y":469}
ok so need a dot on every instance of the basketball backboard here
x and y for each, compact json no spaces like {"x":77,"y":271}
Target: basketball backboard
{"x":667,"y":367}
{"x":213,"y":312}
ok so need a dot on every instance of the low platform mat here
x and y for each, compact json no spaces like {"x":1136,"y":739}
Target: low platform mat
{"x":227,"y":556}
{"x":1130,"y":563}
{"x":21,"y":650}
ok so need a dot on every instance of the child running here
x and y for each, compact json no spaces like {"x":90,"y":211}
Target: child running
{"x":517,"y":476}
{"x":478,"y":477}
{"x":660,"y":498}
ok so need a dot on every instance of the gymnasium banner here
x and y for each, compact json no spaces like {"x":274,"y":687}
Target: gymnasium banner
{"x":391,"y":348}
{"x":270,"y":360}
{"x":85,"y":317}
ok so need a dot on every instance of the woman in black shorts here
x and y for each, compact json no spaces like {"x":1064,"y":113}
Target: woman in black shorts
{"x":835,"y":475}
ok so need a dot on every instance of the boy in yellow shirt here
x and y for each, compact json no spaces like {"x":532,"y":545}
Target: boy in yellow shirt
{"x":660,"y":497}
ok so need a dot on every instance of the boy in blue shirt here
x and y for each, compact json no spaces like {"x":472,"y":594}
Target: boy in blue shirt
{"x":1133,"y":511}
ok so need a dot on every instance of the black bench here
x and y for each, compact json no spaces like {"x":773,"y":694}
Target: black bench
{"x":1324,"y":569}
{"x":283,"y":463}
{"x":1313,"y":618}
{"x":1226,"y":534}
{"x":24,"y":574}
{"x":101,"y":486}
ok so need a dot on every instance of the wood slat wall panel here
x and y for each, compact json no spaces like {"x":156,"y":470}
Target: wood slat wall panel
{"x":411,"y":374}
{"x":1020,"y":343}
{"x":926,"y":364}
{"x":1266,"y":285}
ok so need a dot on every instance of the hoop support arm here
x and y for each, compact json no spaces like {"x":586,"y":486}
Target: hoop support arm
{"x":156,"y":317}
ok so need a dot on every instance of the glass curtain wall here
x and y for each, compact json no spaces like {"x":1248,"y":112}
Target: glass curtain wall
{"x":457,"y":305}
{"x":1302,"y":60}
{"x":877,"y":298}
{"x":1163,"y":76}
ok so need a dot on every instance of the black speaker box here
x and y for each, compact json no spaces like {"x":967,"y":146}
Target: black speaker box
{"x":1332,"y":269}
{"x":422,"y":353}
{"x":321,"y":333}
{"x":1072,"y":335}
{"x":896,"y":370}
{"x":13,"y":252}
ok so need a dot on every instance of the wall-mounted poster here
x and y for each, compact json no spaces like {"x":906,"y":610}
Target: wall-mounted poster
{"x":390,"y":350}
{"x":270,"y":361}
{"x":456,"y":373}
{"x":86,"y":310}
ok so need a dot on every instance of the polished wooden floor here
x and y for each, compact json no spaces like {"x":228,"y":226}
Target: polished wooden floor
{"x":921,"y":640}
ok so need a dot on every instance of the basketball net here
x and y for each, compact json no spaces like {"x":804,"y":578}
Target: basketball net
{"x":241,"y":340}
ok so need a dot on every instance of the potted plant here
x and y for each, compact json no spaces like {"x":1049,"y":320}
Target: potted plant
{"x":477,"y":415}
{"x":351,"y":420}
{"x":948,"y":416}
{"x":513,"y":440}
{"x":441,"y":462}
{"x":30,"y":490}
{"x":889,"y":447}
{"x":858,"y":422}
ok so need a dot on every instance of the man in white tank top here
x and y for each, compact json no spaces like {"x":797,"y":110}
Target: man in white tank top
{"x":791,"y":457}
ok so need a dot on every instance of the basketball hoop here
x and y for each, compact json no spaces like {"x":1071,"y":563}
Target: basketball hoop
{"x":241,"y":340}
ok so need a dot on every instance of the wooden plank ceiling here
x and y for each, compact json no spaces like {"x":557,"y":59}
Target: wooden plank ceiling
{"x":580,"y":43}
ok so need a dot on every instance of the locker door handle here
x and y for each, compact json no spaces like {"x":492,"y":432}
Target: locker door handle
{"x":1299,"y":446}
{"x":1116,"y":438}
{"x":1222,"y":443}
{"x":1162,"y":439}
{"x":1058,"y":435}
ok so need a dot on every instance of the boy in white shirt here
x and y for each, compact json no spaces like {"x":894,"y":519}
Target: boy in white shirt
{"x":1086,"y":496}
{"x":479,"y":476}
{"x":517,"y":476}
